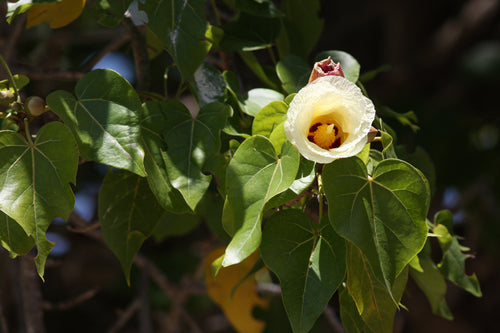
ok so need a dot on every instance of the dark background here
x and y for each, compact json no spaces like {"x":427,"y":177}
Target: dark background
{"x":444,"y":59}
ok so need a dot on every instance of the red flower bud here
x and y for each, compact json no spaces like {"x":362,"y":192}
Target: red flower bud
{"x":326,"y":67}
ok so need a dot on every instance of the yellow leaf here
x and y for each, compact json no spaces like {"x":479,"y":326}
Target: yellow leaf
{"x":57,"y":14}
{"x":238,"y":307}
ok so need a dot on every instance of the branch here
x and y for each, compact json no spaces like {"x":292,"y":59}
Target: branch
{"x":125,"y":316}
{"x":65,"y":305}
{"x":141,"y":57}
{"x":31,"y":296}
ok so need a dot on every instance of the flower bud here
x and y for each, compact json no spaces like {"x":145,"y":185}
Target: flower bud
{"x":34,"y":105}
{"x":326,"y":67}
{"x":329,"y":118}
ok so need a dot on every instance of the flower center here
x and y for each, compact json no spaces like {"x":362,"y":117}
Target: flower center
{"x":326,"y":135}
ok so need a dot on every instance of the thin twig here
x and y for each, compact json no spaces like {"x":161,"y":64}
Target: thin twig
{"x":114,"y":45}
{"x":141,"y":57}
{"x":65,"y":305}
{"x":127,"y":315}
{"x":84,"y":230}
{"x":176,"y":298}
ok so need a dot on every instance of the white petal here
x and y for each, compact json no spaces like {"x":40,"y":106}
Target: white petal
{"x":336,"y":97}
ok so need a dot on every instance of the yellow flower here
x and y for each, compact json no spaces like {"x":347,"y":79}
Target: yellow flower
{"x":329,"y":118}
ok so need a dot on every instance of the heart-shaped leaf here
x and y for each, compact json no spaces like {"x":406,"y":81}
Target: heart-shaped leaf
{"x":182,"y":27}
{"x":309,"y":260}
{"x":152,"y":127}
{"x":383,"y":214}
{"x":128,"y":213}
{"x":105,"y":122}
{"x":254,"y":175}
{"x":191,"y":141}
{"x":34,"y":181}
{"x":375,"y":303}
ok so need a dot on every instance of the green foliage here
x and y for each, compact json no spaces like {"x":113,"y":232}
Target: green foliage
{"x":182,"y":27}
{"x":309,"y":260}
{"x":34,"y":183}
{"x":254,"y":170}
{"x":356,"y":226}
{"x":105,"y":122}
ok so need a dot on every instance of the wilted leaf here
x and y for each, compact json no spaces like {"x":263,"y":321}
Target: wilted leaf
{"x":309,"y":260}
{"x":237,"y":306}
{"x":254,"y":175}
{"x":34,"y":181}
{"x":104,"y":117}
{"x":57,"y":14}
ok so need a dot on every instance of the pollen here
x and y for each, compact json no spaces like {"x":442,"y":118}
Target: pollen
{"x":325,"y":135}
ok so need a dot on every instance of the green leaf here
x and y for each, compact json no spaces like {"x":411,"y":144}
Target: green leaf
{"x":268,"y":118}
{"x":293,"y":73}
{"x":388,"y":150}
{"x":384,"y":214}
{"x":34,"y":181}
{"x":191,"y":141}
{"x":13,"y":238}
{"x":182,"y":27}
{"x":209,"y":84}
{"x":432,"y":283}
{"x":128,"y":213}
{"x":20,"y":80}
{"x":349,"y":314}
{"x":304,"y":178}
{"x":152,"y":127}
{"x":104,"y":118}
{"x":421,"y":160}
{"x":302,"y":27}
{"x":309,"y":260}
{"x":407,"y":119}
{"x":452,"y":264}
{"x":350,"y":65}
{"x":171,"y":224}
{"x":254,"y":175}
{"x":259,"y":98}
{"x":268,"y":78}
{"x":249,"y":33}
{"x":111,"y":11}
{"x":375,"y":303}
